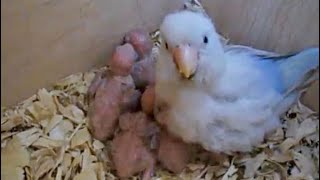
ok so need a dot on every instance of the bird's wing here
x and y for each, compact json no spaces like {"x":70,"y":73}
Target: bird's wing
{"x":249,"y":50}
{"x":298,"y":70}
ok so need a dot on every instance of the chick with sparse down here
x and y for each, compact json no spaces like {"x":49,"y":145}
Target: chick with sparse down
{"x":226,"y":99}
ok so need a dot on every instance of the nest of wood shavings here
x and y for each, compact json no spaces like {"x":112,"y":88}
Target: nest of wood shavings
{"x":46,"y":137}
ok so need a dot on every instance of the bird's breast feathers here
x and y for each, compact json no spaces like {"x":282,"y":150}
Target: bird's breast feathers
{"x":237,"y":109}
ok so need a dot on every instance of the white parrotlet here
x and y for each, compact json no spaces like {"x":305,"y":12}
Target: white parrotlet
{"x":226,"y":99}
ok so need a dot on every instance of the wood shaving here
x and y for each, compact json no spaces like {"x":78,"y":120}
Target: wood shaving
{"x":231,"y":172}
{"x":13,"y":157}
{"x":46,"y":137}
{"x":81,"y":137}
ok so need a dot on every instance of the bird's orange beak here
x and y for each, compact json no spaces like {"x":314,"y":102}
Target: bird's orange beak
{"x":186,"y":59}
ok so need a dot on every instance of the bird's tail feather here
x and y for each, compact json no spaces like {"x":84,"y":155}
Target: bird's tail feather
{"x":300,"y":70}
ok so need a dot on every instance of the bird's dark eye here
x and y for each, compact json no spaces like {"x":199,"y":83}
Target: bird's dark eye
{"x":205,"y":39}
{"x":166,"y":44}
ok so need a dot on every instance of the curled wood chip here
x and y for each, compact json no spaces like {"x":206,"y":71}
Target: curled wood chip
{"x":4,"y":119}
{"x":4,"y":143}
{"x":97,"y":145}
{"x":6,"y":135}
{"x":292,"y":128}
{"x":44,"y":167}
{"x":210,"y":173}
{"x":28,"y":173}
{"x":11,"y":123}
{"x":281,"y":157}
{"x":277,"y":136}
{"x":55,"y":120}
{"x":82,"y":88}
{"x":230,"y":174}
{"x":39,"y":111}
{"x":287,"y":144}
{"x":29,"y":136}
{"x":59,"y":173}
{"x":43,"y":152}
{"x":306,"y":151}
{"x":276,"y":176}
{"x":80,"y":137}
{"x":68,"y":174}
{"x":14,"y":153}
{"x":314,"y":138}
{"x":300,"y":177}
{"x":12,"y":173}
{"x":307,"y":127}
{"x":99,"y":170}
{"x":71,"y":112}
{"x":24,"y":104}
{"x":220,"y":171}
{"x":88,"y":77}
{"x":46,"y":99}
{"x":44,"y":123}
{"x":194,"y":167}
{"x":62,"y":130}
{"x":67,"y":81}
{"x":305,"y":165}
{"x":66,"y":163}
{"x":86,"y":161}
{"x":13,"y":157}
{"x":93,"y":158}
{"x":76,"y":163}
{"x":57,"y":133}
{"x":86,"y":174}
{"x":47,"y":143}
{"x":252,"y":165}
{"x":201,"y":173}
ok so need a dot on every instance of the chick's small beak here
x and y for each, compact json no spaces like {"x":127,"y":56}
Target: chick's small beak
{"x":185,"y":58}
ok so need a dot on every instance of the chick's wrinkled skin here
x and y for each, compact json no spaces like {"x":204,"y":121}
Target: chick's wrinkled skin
{"x":130,"y":101}
{"x":123,"y":59}
{"x":139,"y":123}
{"x":109,"y":97}
{"x":130,"y":156}
{"x":173,"y":153}
{"x":95,"y":83}
{"x":143,"y":72}
{"x":105,"y":110}
{"x":140,"y":40}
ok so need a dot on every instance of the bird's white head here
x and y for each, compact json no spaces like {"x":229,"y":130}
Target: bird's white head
{"x":190,"y":38}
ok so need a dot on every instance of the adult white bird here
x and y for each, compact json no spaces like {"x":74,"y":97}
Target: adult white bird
{"x":226,"y":99}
